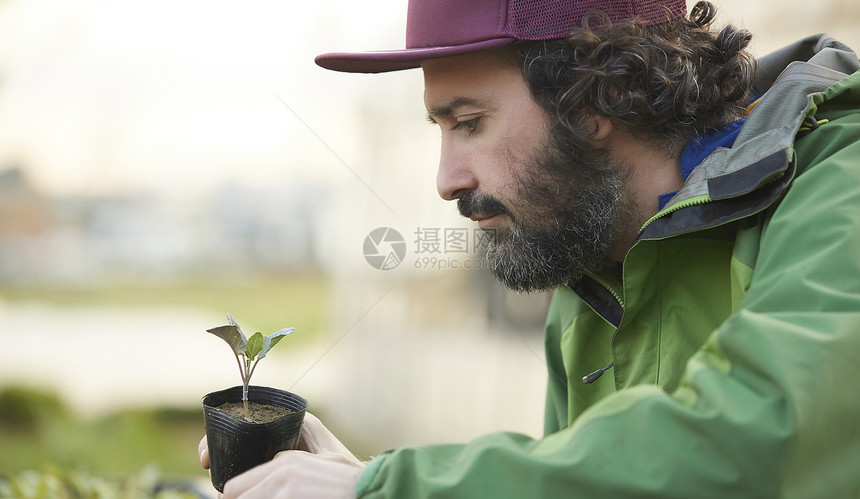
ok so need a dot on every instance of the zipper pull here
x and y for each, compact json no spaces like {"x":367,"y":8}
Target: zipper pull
{"x":591,"y":378}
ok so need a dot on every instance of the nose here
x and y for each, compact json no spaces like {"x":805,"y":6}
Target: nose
{"x":455,"y":176}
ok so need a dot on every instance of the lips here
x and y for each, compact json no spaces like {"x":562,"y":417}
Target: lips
{"x":487,"y":221}
{"x":483,"y":216}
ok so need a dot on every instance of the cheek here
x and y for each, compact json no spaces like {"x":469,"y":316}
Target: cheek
{"x":516,"y":162}
{"x":521,"y":140}
{"x":496,"y":169}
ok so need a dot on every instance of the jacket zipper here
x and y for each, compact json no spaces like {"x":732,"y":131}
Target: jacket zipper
{"x":693,"y":201}
{"x":609,"y":288}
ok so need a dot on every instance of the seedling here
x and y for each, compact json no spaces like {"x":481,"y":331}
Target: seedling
{"x":248,"y":351}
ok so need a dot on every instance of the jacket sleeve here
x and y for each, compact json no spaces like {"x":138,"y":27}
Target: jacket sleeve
{"x":767,"y":407}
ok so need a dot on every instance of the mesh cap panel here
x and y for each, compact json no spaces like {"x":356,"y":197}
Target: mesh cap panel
{"x":545,"y":19}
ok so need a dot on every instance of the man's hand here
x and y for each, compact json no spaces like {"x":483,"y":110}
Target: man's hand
{"x":322,"y":467}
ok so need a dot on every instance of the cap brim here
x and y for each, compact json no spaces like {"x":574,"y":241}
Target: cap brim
{"x":383,"y":61}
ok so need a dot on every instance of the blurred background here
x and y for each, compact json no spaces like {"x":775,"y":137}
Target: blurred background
{"x":163,"y":163}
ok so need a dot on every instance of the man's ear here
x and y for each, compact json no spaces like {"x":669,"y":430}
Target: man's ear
{"x":601,"y":129}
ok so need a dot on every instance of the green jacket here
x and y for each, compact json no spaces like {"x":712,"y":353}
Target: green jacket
{"x":734,"y":327}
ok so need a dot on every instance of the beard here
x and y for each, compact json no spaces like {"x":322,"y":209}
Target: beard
{"x":572,"y":208}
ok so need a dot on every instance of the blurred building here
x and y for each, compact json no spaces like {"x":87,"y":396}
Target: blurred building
{"x":64,"y":238}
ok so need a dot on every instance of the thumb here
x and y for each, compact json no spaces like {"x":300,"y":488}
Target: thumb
{"x":317,"y":439}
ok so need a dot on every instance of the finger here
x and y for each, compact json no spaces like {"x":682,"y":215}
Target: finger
{"x":203,"y":452}
{"x":316,"y":438}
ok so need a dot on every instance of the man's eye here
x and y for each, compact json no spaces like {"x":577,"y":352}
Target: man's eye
{"x":468,"y":125}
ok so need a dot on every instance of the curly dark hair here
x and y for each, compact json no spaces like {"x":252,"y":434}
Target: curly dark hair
{"x":665,"y":83}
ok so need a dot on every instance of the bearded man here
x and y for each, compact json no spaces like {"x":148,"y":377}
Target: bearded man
{"x":698,"y":215}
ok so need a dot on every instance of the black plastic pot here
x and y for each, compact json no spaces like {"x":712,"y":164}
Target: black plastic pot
{"x":235,"y":445}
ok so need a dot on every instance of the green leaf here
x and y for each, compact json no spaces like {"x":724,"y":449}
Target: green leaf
{"x":232,"y":334}
{"x":255,"y":345}
{"x":273,"y":339}
{"x":234,"y":323}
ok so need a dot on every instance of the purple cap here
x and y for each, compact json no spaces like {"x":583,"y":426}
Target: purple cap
{"x":444,"y":28}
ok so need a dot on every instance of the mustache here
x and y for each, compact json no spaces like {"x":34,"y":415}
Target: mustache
{"x":472,"y":203}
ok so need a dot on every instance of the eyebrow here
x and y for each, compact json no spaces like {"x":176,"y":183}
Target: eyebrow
{"x":446,"y":110}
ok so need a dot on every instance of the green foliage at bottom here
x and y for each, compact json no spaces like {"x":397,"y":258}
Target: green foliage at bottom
{"x":54,"y":483}
{"x":49,"y":452}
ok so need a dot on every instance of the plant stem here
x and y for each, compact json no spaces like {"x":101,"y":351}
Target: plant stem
{"x":241,"y":371}
{"x":246,"y":380}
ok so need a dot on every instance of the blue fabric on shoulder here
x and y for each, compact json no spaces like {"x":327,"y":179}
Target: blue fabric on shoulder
{"x":700,"y":147}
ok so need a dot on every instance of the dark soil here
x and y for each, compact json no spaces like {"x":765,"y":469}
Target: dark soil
{"x":260,"y":413}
